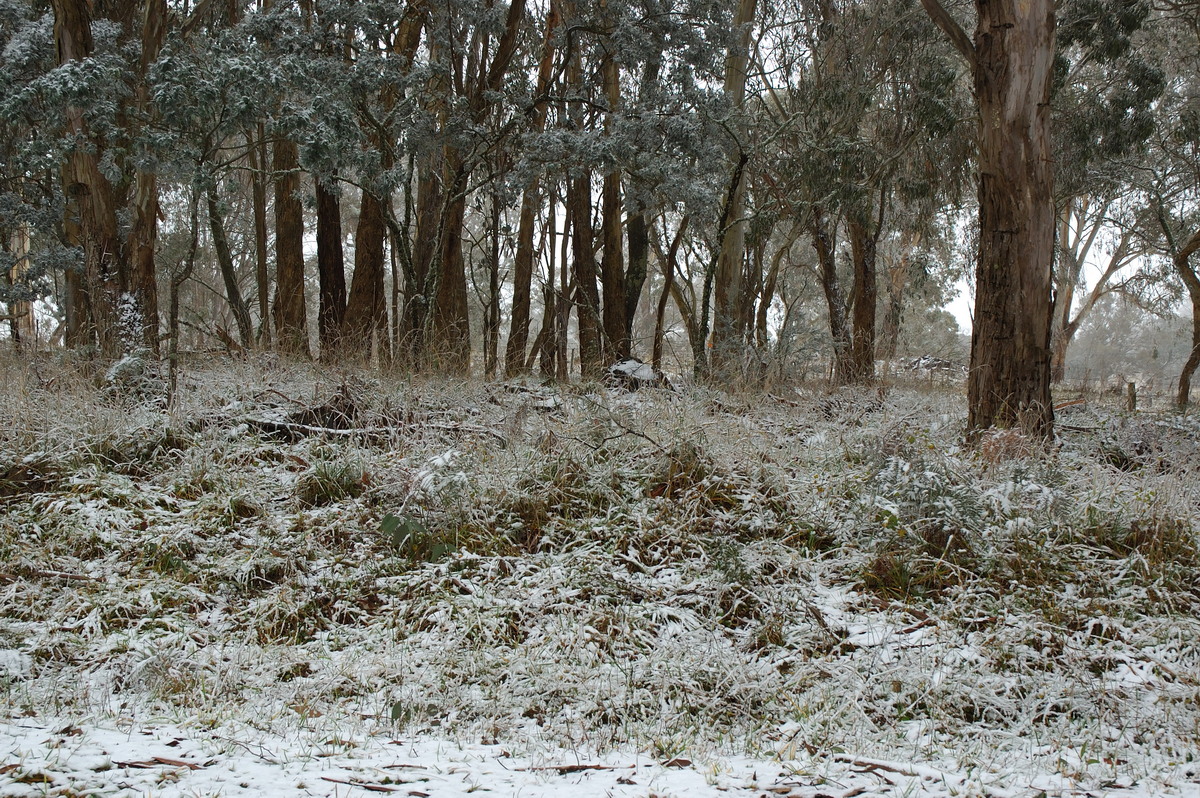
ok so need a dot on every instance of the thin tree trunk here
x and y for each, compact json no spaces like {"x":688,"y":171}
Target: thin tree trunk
{"x":331,"y":271}
{"x":233,"y":294}
{"x":257,"y":148}
{"x":22,"y":324}
{"x":518,"y":330}
{"x":591,"y":350}
{"x":727,"y":329}
{"x":291,"y":324}
{"x":669,"y":266}
{"x":1191,"y":280}
{"x":615,"y":343}
{"x":839,"y":332}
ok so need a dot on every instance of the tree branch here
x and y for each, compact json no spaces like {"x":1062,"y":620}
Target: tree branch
{"x":958,"y":37}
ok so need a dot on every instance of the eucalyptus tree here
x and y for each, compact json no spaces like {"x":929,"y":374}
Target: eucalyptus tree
{"x":1107,"y":83}
{"x":870,"y":148}
{"x":1011,"y":57}
{"x":1172,"y":181}
{"x":34,"y":258}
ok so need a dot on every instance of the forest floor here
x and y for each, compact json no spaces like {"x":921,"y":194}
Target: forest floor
{"x":296,"y":582}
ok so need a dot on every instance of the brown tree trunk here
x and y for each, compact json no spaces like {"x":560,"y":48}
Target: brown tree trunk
{"x":1009,"y":382}
{"x":233,"y":294}
{"x":839,"y":332}
{"x":22,"y":324}
{"x":728,"y":330}
{"x":90,"y":196}
{"x":366,"y":309}
{"x":143,"y":237}
{"x":612,"y":261}
{"x":331,"y":271}
{"x":418,"y":286}
{"x":612,"y":271}
{"x":518,"y":330}
{"x":1191,"y":280}
{"x":291,"y":325}
{"x":897,"y":276}
{"x":864,"y":298}
{"x":491,"y":320}
{"x":257,"y":148}
{"x":1012,"y":60}
{"x":579,"y":202}
{"x":450,"y":327}
{"x":637,"y":230}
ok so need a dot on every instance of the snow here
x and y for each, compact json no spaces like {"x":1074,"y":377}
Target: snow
{"x":670,"y":594}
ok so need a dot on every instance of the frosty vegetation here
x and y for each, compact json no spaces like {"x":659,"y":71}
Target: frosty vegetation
{"x":295,"y":567}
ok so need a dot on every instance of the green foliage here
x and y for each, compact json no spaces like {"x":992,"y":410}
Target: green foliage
{"x":409,"y":538}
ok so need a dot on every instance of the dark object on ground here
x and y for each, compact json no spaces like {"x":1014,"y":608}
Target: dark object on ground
{"x":632,"y":374}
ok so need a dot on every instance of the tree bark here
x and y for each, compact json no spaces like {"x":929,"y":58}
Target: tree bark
{"x":1012,"y":60}
{"x":233,"y":294}
{"x":518,"y":329}
{"x":89,"y":194}
{"x":1191,"y":280}
{"x":637,"y":231}
{"x":257,"y":149}
{"x":291,"y":324}
{"x":728,"y":330}
{"x":612,"y":261}
{"x":864,"y":298}
{"x":331,"y":271}
{"x":579,"y":201}
{"x":839,"y":331}
{"x":366,"y":308}
{"x":143,"y":237}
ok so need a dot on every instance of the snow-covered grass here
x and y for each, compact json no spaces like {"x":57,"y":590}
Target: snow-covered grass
{"x":292,"y":576}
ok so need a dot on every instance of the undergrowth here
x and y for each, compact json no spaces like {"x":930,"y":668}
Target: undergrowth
{"x":672,"y":571}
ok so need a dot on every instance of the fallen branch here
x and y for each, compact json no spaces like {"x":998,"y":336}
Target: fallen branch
{"x":294,"y":431}
{"x":365,"y":785}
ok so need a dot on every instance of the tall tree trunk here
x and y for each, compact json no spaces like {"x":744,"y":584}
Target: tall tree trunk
{"x":591,"y":353}
{"x":1191,"y":280}
{"x":418,"y":286}
{"x":637,"y":230}
{"x":825,"y":244}
{"x":1012,"y":58}
{"x":863,"y":301}
{"x":366,"y":309}
{"x":518,"y":330}
{"x":491,"y":321}
{"x":233,"y":294}
{"x":450,"y":327}
{"x":143,"y":237}
{"x":90,"y":196}
{"x":728,"y":331}
{"x":257,"y":149}
{"x":612,"y":261}
{"x":331,"y":271}
{"x":1009,"y":381}
{"x":291,"y":324}
{"x":22,"y":324}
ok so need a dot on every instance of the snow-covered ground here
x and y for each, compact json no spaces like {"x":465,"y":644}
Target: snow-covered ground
{"x":298,"y":583}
